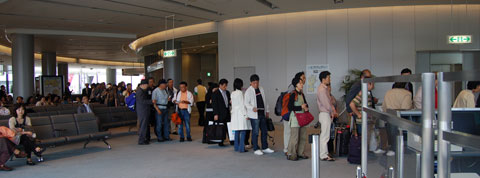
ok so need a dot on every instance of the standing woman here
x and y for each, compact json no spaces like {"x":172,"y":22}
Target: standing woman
{"x":18,"y":123}
{"x":240,"y":121}
{"x":298,"y":135}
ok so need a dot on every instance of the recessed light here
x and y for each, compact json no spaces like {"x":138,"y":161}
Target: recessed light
{"x":213,"y":42}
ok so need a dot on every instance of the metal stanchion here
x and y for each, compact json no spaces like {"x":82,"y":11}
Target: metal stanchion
{"x":399,"y":157}
{"x":391,"y":172}
{"x":428,"y":115}
{"x":418,"y":167}
{"x":359,"y":172}
{"x":364,"y":128}
{"x":315,"y":141}
{"x":444,"y":118}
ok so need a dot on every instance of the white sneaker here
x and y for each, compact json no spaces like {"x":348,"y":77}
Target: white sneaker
{"x":268,"y":150}
{"x":390,"y":153}
{"x":258,"y":152}
{"x":379,"y":151}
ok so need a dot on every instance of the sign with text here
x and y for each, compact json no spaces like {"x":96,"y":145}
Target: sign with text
{"x":312,"y":73}
{"x":169,"y":53}
{"x":459,"y":39}
{"x":155,"y":66}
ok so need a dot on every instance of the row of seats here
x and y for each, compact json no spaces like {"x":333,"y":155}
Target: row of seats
{"x":68,"y":128}
{"x":61,"y":107}
{"x":111,"y":117}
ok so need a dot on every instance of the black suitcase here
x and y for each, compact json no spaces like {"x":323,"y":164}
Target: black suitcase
{"x":342,"y":141}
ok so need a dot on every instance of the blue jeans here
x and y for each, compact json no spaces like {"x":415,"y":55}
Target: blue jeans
{"x":185,"y":116}
{"x":240,"y":140}
{"x":163,"y":125}
{"x":259,"y":124}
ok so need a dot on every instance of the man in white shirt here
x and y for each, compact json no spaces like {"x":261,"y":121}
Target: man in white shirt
{"x":258,"y":112}
{"x":466,"y":98}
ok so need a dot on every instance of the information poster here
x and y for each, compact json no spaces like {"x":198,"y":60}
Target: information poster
{"x":312,"y":74}
{"x":53,"y":85}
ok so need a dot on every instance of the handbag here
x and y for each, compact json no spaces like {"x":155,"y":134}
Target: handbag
{"x":215,"y":132}
{"x":176,"y":119}
{"x":304,"y":118}
{"x":270,"y":126}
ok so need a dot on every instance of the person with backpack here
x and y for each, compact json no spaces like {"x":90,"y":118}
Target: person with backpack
{"x":282,"y":108}
{"x":298,"y":135}
{"x":326,"y":115}
{"x":258,"y":112}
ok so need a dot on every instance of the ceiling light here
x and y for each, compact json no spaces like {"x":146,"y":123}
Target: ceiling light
{"x":337,"y":1}
{"x":213,"y":42}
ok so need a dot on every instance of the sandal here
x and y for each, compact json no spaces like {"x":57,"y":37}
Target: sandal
{"x":30,"y":162}
{"x":19,"y":154}
{"x":328,"y":159}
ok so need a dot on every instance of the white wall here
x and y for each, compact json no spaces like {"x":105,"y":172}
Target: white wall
{"x":383,"y":39}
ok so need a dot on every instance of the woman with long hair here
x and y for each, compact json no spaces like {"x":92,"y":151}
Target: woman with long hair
{"x":21,"y":124}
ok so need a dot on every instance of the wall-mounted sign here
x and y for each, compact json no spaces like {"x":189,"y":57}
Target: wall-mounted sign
{"x":311,"y":74}
{"x":169,"y":53}
{"x":459,"y":39}
{"x":155,"y":66}
{"x":133,"y":71}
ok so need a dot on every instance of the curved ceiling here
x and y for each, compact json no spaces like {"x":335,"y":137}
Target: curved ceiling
{"x":143,"y":17}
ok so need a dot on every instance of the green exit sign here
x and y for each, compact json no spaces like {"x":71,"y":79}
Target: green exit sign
{"x":209,"y":74}
{"x":459,"y":39}
{"x":169,"y":53}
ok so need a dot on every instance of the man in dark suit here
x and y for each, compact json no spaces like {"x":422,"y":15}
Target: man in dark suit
{"x":85,"y":107}
{"x":143,"y":105}
{"x":221,"y":105}
{"x":87,"y":91}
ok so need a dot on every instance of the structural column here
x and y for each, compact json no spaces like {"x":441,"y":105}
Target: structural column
{"x":111,"y":76}
{"x":49,"y":63}
{"x":63,"y":71}
{"x":173,"y":65}
{"x":22,"y":65}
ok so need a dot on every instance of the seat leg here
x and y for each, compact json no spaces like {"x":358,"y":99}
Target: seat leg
{"x":105,"y":141}
{"x":86,"y":143}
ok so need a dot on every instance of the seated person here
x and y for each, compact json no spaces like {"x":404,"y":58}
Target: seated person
{"x":18,"y":123}
{"x":7,"y":148}
{"x":3,"y":110}
{"x":85,"y":107}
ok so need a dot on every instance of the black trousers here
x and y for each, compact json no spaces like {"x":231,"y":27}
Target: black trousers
{"x":153,"y":122}
{"x":144,"y":130}
{"x":28,"y":145}
{"x":201,"y":112}
{"x":205,"y":126}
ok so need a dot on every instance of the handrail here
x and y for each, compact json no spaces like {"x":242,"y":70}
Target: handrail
{"x":408,"y":125}
{"x":395,"y":78}
{"x":461,"y":76}
{"x":462,"y":139}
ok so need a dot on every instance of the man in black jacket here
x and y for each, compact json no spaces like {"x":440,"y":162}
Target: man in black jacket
{"x":143,"y":105}
{"x":87,"y":91}
{"x":221,"y":105}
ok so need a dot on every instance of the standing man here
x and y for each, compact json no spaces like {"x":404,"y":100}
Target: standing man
{"x":257,"y":112}
{"x":221,"y":106}
{"x":466,"y":98}
{"x":143,"y":105}
{"x":160,"y":101}
{"x":408,"y":86}
{"x":200,"y":91}
{"x":153,"y":123}
{"x":326,"y":115}
{"x":171,"y":106}
{"x":3,"y":91}
{"x":87,"y":91}
{"x":184,"y":101}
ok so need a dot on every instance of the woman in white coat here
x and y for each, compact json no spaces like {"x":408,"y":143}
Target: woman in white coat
{"x":239,"y":119}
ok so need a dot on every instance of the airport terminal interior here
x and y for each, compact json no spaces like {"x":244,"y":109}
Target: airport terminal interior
{"x":240,"y":88}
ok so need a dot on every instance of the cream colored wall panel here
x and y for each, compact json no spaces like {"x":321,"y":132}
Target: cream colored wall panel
{"x":425,"y":28}
{"x":403,"y":39}
{"x":316,"y":37}
{"x":258,"y":47}
{"x":276,"y":51}
{"x":444,"y":24}
{"x":337,"y":49}
{"x":225,"y":49}
{"x":296,"y":40}
{"x":359,"y":38}
{"x":241,"y":42}
{"x":473,"y":27}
